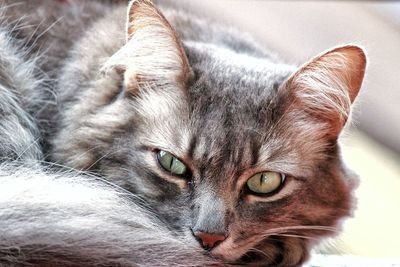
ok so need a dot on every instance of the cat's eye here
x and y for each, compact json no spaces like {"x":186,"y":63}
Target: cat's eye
{"x":265,"y":182}
{"x":171,"y":164}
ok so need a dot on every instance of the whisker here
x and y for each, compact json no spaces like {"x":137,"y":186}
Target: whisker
{"x":299,"y":236}
{"x":33,"y":143}
{"x":99,"y":159}
{"x":299,"y":227}
{"x":288,"y":230}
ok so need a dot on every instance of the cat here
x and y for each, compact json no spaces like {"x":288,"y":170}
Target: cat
{"x":144,"y":134}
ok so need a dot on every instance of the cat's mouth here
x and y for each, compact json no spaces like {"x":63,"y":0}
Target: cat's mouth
{"x":232,"y":252}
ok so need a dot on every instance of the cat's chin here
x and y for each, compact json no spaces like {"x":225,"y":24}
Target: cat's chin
{"x":273,"y":251}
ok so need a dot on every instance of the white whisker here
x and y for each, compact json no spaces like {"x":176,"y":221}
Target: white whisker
{"x":299,"y":227}
{"x":33,"y":143}
{"x":99,"y":159}
{"x":299,"y":236}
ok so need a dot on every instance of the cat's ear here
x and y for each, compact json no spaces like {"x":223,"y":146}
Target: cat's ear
{"x":326,"y":86}
{"x":153,"y":52}
{"x":159,"y":54}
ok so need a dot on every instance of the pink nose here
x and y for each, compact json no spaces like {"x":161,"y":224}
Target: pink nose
{"x":209,"y":241}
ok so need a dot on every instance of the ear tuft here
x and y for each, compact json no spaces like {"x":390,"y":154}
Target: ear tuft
{"x":327,"y":85}
{"x":140,"y":13}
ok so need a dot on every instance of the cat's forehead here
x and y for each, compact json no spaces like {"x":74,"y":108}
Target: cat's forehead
{"x":231,"y":90}
{"x":234,"y":72}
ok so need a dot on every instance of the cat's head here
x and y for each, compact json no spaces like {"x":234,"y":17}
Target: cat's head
{"x":241,"y":150}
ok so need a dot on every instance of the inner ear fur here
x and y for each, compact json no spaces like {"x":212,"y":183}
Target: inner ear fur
{"x":153,"y":52}
{"x":327,"y":85}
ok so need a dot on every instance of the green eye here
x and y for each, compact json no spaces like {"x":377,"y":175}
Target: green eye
{"x":265,"y":182}
{"x":171,"y":163}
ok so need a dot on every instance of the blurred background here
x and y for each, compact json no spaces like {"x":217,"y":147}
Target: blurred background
{"x":299,"y":30}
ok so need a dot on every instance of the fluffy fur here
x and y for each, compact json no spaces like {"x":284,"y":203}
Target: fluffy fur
{"x":104,"y":86}
{"x":69,"y":219}
{"x":19,"y":95}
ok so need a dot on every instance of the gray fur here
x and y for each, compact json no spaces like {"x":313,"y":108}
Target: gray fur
{"x":19,"y":96}
{"x":105,"y":95}
{"x":70,"y":219}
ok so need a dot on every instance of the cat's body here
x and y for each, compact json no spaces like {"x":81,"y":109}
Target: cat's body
{"x":107,"y":97}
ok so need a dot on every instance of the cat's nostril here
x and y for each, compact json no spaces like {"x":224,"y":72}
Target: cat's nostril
{"x":207,"y":240}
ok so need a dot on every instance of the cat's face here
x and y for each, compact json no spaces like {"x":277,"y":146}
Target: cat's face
{"x":239,"y":150}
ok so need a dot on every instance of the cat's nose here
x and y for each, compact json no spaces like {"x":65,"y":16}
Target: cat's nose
{"x":207,"y":240}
